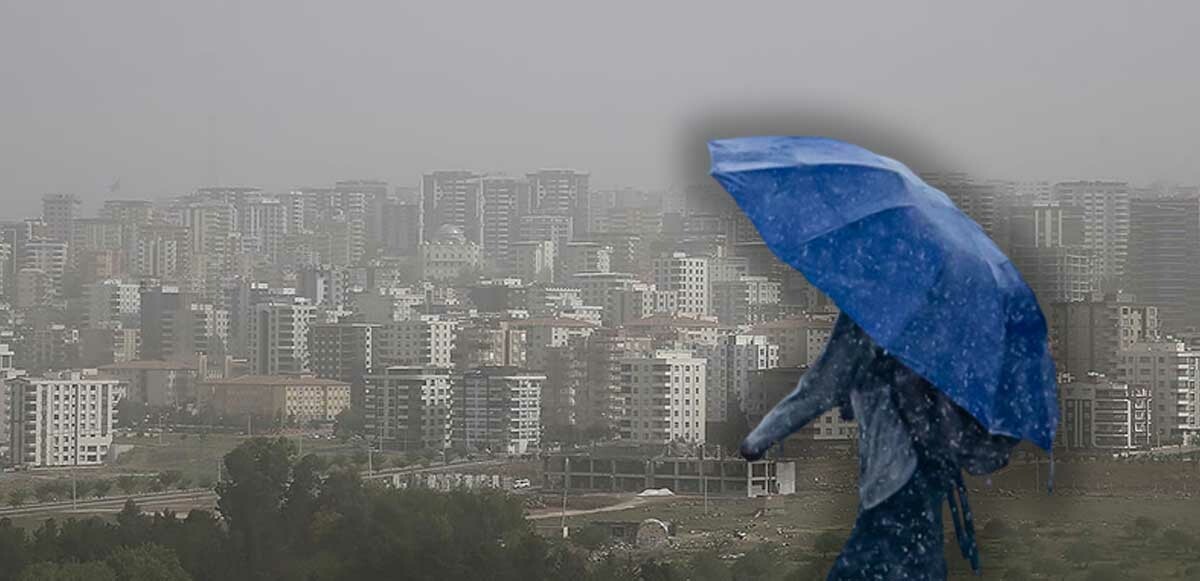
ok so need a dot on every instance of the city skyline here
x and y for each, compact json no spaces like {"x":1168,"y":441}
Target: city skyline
{"x":225,"y":94}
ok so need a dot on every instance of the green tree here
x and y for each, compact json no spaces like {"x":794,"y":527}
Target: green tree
{"x":349,"y":423}
{"x":48,"y":571}
{"x":146,"y":563}
{"x":250,"y":499}
{"x":591,"y":537}
{"x":169,"y":478}
{"x":14,"y":550}
{"x":102,"y":488}
{"x":127,"y":483}
{"x":131,"y":413}
{"x":18,"y":497}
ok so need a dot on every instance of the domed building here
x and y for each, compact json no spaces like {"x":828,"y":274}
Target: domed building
{"x":449,"y":255}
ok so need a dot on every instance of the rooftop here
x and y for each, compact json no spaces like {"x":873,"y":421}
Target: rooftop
{"x":275,"y":380}
{"x":148,"y":364}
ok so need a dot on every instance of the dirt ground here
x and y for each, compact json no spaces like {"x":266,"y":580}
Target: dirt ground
{"x":1087,"y":529}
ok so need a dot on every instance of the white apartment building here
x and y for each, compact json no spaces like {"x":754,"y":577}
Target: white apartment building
{"x":742,"y":301}
{"x":1170,"y":371}
{"x":662,"y":398}
{"x":279,"y":336}
{"x":687,"y":277}
{"x":730,"y":363}
{"x":426,"y":341}
{"x":112,"y":300}
{"x":499,"y":409}
{"x":63,"y":419}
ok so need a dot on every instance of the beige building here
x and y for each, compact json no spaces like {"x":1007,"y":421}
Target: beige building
{"x":298,"y":398}
{"x":662,"y":398}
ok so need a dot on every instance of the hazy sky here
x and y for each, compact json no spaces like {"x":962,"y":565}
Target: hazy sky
{"x":294,"y":92}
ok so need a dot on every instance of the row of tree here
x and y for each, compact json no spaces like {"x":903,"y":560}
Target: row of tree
{"x":289,"y":518}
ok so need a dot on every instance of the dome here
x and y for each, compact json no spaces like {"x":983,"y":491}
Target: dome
{"x":450,"y":233}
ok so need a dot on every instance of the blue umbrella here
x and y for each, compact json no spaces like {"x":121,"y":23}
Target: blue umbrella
{"x":940,"y":352}
{"x":919,"y":276}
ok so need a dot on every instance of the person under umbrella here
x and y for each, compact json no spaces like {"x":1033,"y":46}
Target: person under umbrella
{"x":940,"y":350}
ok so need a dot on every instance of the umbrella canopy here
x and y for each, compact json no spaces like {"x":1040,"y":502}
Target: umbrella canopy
{"x":918,"y":275}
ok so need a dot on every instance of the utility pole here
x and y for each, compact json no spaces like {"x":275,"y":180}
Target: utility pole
{"x":566,"y":483}
{"x":703,"y":480}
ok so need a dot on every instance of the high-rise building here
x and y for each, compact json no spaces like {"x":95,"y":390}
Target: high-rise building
{"x":263,"y":225}
{"x":562,"y":192}
{"x":553,"y":227}
{"x":324,"y":286}
{"x":7,"y":273}
{"x":94,"y":234}
{"x":213,"y":231}
{"x":1046,"y":244}
{"x":452,"y":198}
{"x":160,"y":252}
{"x":426,"y":341}
{"x":687,"y":277}
{"x":979,"y":199}
{"x":112,"y":300}
{"x":1169,"y":372}
{"x":533,"y":261}
{"x":1100,"y":413}
{"x":505,"y":199}
{"x":746,"y":300}
{"x":402,"y":228}
{"x":1106,"y":223}
{"x":8,"y":372}
{"x":1086,"y":337}
{"x":362,"y":201}
{"x":409,"y":407}
{"x":59,"y":212}
{"x":63,"y":419}
{"x":801,"y":340}
{"x":279,"y":337}
{"x":343,"y":351}
{"x":583,"y":257}
{"x":498,"y":409}
{"x":662,"y":398}
{"x":48,"y":256}
{"x":1164,"y":257}
{"x":166,"y":324}
{"x":489,"y":342}
{"x":731,"y":363}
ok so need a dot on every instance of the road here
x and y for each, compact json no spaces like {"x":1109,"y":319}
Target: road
{"x":557,"y":513}
{"x":181,"y":501}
